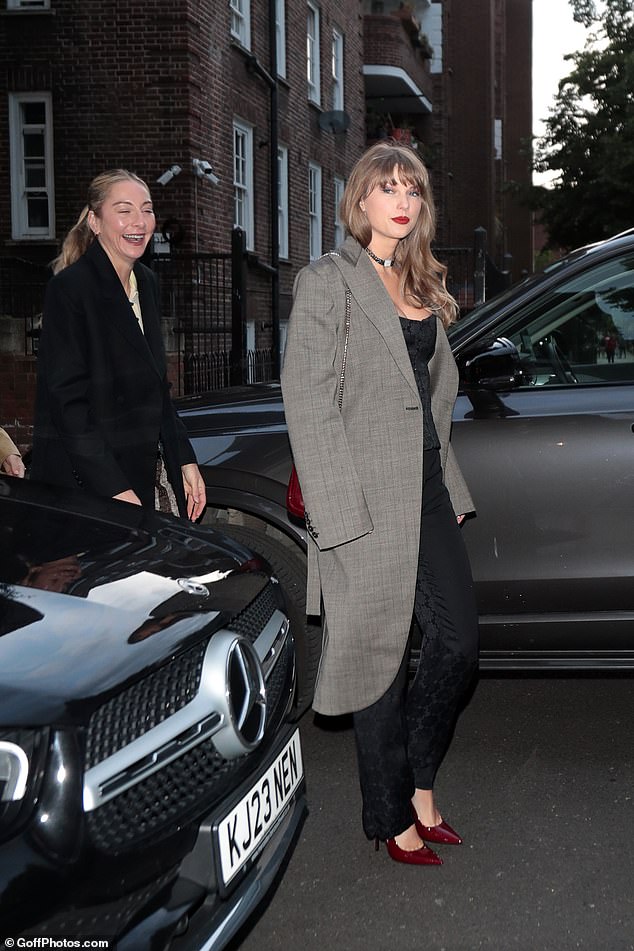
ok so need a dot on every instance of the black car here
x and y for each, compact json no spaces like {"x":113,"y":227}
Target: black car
{"x":544,"y":432}
{"x":151,"y":779}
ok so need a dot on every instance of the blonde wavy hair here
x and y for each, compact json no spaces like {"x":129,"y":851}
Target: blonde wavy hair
{"x":81,"y":236}
{"x":422,"y":278}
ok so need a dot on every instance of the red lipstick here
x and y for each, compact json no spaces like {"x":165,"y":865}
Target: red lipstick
{"x":402,"y":220}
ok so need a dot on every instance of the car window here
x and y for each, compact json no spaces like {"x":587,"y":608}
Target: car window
{"x":580,"y":332}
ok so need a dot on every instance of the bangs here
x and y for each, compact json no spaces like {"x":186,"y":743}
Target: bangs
{"x":408,"y":174}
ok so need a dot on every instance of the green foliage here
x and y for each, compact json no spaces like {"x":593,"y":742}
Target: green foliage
{"x":589,"y":139}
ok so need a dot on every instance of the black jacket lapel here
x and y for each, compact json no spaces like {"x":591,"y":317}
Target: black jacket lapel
{"x":120,"y":311}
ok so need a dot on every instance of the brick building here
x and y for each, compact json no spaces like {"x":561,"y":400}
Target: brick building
{"x":457,"y":75}
{"x":271,"y":97}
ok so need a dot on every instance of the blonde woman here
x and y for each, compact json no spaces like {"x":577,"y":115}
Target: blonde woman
{"x":104,"y":420}
{"x":384,"y":496}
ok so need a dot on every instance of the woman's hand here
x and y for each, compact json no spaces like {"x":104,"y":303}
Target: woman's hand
{"x":128,"y":496}
{"x":195,"y":493}
{"x":13,"y":465}
{"x":460,"y":519}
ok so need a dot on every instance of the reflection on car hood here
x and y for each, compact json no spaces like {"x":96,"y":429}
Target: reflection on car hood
{"x":93,"y":592}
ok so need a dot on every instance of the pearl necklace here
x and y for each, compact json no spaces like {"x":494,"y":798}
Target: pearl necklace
{"x":385,"y":262}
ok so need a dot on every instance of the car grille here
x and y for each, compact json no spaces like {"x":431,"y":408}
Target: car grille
{"x":190,"y":785}
{"x":139,"y":708}
{"x":250,"y":622}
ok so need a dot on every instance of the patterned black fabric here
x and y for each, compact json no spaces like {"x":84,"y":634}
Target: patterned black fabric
{"x":420,"y":337}
{"x":402,"y":738}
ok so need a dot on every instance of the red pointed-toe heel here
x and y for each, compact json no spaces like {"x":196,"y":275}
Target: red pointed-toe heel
{"x":421,"y":856}
{"x":442,"y":834}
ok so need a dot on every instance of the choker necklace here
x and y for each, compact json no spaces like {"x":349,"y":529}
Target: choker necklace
{"x":386,"y":262}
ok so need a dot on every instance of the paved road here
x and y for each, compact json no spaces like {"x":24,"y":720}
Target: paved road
{"x":539,"y":781}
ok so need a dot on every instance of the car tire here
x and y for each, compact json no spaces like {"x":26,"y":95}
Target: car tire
{"x":289,"y":566}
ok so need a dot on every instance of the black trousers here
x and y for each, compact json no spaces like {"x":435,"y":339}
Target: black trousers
{"x":402,"y":737}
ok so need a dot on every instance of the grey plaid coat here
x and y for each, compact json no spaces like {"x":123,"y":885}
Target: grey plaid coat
{"x":361,"y":470}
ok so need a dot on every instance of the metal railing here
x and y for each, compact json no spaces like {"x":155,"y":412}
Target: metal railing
{"x":22,"y":286}
{"x":460,"y":274}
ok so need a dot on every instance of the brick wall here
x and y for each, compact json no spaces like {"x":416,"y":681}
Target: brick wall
{"x":387,"y":42}
{"x":17,"y":383}
{"x":486,"y":75}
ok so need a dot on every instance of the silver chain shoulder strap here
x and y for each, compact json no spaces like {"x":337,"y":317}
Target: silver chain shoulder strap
{"x":345,"y":348}
{"x":342,"y":376}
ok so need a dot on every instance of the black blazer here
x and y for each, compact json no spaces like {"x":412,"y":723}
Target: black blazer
{"x":103,"y":401}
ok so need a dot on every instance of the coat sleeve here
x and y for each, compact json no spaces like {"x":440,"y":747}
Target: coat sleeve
{"x":64,"y":359}
{"x":336,"y":509}
{"x":7,"y":446}
{"x":444,"y":382}
{"x":456,"y":486}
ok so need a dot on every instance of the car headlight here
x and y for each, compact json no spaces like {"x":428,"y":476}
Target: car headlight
{"x":22,"y":754}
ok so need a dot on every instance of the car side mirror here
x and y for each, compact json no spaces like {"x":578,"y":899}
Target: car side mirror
{"x":493,"y":365}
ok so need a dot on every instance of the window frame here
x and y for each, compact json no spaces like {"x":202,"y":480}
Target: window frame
{"x":282,"y":202}
{"x":20,"y":230}
{"x":313,"y":54}
{"x":315,"y":225}
{"x":337,"y":68}
{"x":244,"y":188}
{"x":498,"y":139}
{"x":280,"y":37}
{"x":241,"y":12}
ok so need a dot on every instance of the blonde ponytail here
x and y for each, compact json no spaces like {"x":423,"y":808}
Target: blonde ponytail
{"x":76,"y":242}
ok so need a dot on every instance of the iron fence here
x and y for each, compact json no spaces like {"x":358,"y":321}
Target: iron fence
{"x":196,"y":305}
{"x":22,"y":285}
{"x":460,"y":275}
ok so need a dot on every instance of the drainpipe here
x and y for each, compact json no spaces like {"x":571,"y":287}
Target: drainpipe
{"x":254,"y":66}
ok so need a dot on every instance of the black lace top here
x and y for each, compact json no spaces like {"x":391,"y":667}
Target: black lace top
{"x":420,"y":337}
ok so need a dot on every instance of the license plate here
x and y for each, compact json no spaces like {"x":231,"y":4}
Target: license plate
{"x":247,"y":826}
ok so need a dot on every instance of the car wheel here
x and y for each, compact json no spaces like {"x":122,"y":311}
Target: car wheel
{"x":290,"y":568}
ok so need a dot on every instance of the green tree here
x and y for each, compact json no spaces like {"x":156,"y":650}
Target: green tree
{"x":589,"y":139}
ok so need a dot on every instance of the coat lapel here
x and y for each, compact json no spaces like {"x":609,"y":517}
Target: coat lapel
{"x":375,"y":302}
{"x":151,"y":319}
{"x":120,"y":313}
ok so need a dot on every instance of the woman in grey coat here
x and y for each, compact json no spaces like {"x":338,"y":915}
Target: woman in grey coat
{"x":383,"y":493}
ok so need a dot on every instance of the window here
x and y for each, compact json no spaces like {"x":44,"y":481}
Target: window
{"x":282,"y":200}
{"x":312,"y":54}
{"x":283,"y":336}
{"x":497,"y":138}
{"x":243,"y":180}
{"x":28,"y":4}
{"x":339,"y":229}
{"x":337,"y":70}
{"x":31,"y":138}
{"x":280,"y":37}
{"x":314,"y":211}
{"x":251,"y":354}
{"x":241,"y":21}
{"x":581,"y":332}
